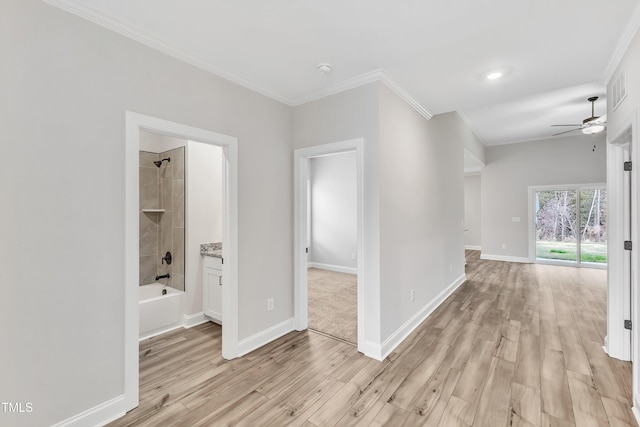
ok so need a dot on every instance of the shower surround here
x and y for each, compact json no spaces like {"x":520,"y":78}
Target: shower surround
{"x":162,"y":188}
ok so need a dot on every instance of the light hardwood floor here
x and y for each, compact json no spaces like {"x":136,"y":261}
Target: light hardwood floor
{"x":516,"y":345}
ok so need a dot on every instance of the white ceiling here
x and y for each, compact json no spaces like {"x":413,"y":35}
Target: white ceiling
{"x":436,"y":51}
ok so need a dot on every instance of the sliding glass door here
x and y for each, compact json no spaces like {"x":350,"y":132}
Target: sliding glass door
{"x":571,"y":225}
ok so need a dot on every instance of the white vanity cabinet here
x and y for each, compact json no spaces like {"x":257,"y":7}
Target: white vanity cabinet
{"x":213,"y":281}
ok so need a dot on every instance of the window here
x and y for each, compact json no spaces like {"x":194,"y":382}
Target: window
{"x":570,"y":225}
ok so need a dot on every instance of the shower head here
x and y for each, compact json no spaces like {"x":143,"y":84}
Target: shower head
{"x":158,"y":163}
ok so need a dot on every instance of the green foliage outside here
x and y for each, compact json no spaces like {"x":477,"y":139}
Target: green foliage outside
{"x":567,"y":251}
{"x":564,"y":217}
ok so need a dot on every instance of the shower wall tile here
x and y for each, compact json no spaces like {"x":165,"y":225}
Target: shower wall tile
{"x":164,"y":268}
{"x":164,"y":281}
{"x":165,"y":241}
{"x":178,"y":250}
{"x":148,"y":266}
{"x":148,"y":188}
{"x":178,"y":203}
{"x":178,"y":165}
{"x":149,"y":233}
{"x":147,"y":159}
{"x":166,"y":193}
{"x":177,"y":282}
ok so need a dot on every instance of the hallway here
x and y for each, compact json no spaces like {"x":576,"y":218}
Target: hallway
{"x":517,"y":344}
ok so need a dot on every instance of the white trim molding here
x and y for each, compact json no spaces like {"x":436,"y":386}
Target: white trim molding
{"x":336,"y":268}
{"x":83,"y":10}
{"x":473,"y":247}
{"x":491,"y":257}
{"x":472,"y":127}
{"x":623,"y":44}
{"x":99,"y":415}
{"x":191,"y":320}
{"x":378,"y":75}
{"x":128,"y":30}
{"x":261,"y":338}
{"x":622,"y":265}
{"x":365,"y":283}
{"x":410,"y":325}
{"x":134,"y":124}
{"x":635,"y":408}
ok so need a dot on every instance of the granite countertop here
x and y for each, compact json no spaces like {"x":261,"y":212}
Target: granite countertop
{"x":211,"y":249}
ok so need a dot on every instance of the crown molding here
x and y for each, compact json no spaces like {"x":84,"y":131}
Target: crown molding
{"x":91,"y":14}
{"x":378,"y":75}
{"x":623,"y":44}
{"x":471,"y":127}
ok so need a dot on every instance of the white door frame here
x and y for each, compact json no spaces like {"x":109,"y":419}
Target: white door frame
{"x":134,"y":123}
{"x":619,"y":341}
{"x":301,"y":176}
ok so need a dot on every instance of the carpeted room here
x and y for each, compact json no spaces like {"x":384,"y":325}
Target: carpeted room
{"x":331,"y":278}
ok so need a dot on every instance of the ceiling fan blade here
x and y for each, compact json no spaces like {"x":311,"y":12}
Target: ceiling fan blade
{"x":567,"y":125}
{"x":566,"y":131}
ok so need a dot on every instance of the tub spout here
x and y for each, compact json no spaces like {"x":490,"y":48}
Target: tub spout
{"x":164,"y":276}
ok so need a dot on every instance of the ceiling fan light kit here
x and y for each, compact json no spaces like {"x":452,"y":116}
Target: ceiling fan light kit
{"x":590,"y":125}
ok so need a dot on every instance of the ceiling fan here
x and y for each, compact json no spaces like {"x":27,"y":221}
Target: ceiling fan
{"x":590,"y":125}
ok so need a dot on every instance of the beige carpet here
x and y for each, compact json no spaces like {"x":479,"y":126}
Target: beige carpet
{"x":333,"y":304}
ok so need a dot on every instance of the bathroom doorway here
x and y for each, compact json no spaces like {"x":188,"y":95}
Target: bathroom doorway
{"x":137,"y":125}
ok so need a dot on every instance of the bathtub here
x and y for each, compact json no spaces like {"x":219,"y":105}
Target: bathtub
{"x":159,"y":313}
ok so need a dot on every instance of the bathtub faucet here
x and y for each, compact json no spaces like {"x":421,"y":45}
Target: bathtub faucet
{"x":164,"y":276}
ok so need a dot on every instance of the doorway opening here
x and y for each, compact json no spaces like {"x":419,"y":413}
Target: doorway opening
{"x":332,"y":223}
{"x":136,"y":125}
{"x":570,"y":225}
{"x":303,"y":207}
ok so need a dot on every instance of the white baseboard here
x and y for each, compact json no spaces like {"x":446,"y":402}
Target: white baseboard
{"x":99,"y":415}
{"x":635,"y":409}
{"x":336,"y":268}
{"x":371,"y":349}
{"x":161,"y":331}
{"x":410,"y":325}
{"x":191,"y":320}
{"x":473,"y":247}
{"x":255,"y":341}
{"x":491,"y":257}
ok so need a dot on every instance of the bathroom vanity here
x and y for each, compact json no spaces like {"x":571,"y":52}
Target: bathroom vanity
{"x":213,"y":280}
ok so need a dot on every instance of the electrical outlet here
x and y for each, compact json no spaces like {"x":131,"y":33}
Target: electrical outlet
{"x":413,"y":295}
{"x":270,"y":304}
{"x":450,"y":268}
{"x":353,"y":256}
{"x":504,"y":246}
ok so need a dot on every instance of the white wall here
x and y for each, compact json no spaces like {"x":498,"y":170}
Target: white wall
{"x":340,"y":117}
{"x":205,"y":188}
{"x":334,"y":210}
{"x":630,"y":107}
{"x":66,"y":86}
{"x":156,"y":143}
{"x":512,"y":168}
{"x":472,"y":211}
{"x":414,"y":179}
{"x":628,"y":112}
{"x":421,"y":209}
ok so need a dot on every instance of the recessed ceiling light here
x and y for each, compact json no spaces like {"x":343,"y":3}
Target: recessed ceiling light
{"x":494,"y":75}
{"x":324,"y":68}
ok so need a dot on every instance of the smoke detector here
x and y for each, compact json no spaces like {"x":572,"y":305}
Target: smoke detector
{"x":324,"y":68}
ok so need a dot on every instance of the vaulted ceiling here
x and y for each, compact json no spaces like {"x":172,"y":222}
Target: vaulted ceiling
{"x":553,"y":53}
